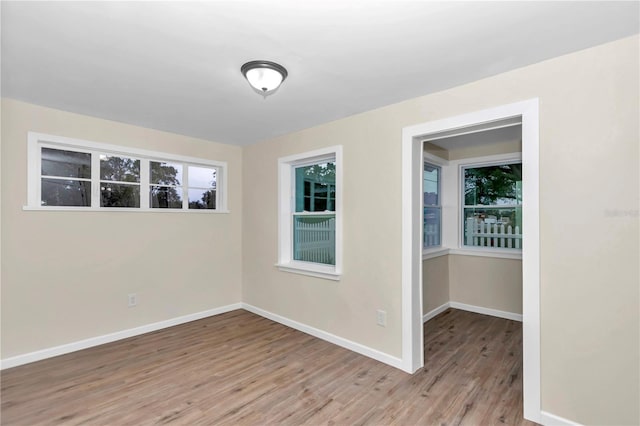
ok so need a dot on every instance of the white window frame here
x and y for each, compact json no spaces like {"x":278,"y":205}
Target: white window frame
{"x":509,"y":253}
{"x":443,"y":196}
{"x":438,"y":205}
{"x":286,"y":209}
{"x":35,"y":141}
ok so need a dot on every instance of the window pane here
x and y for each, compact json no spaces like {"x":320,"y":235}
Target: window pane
{"x":493,"y":227}
{"x":313,"y":185}
{"x":314,"y":239}
{"x":119,"y":195}
{"x":60,"y":192}
{"x":165,"y":197}
{"x":121,"y":169}
{"x":432,"y":228}
{"x":56,"y":162}
{"x":493,"y":185}
{"x":202,"y":177}
{"x":202,"y":198}
{"x":164,"y":173}
{"x":431,"y":179}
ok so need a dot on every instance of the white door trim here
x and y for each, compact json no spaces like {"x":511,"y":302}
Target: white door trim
{"x":412,"y":339}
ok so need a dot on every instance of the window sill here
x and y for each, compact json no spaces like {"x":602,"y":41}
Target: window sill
{"x":499,"y":254}
{"x":434,"y":252}
{"x":310,"y":269}
{"x":122,"y":209}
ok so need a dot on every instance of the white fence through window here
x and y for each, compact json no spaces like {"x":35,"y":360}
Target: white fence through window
{"x":431,"y":235}
{"x":314,"y":239}
{"x":495,"y":235}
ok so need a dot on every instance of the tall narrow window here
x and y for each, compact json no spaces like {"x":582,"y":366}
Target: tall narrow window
{"x":492,"y":211}
{"x":310,"y":224}
{"x":432,"y":206}
{"x":314,"y":218}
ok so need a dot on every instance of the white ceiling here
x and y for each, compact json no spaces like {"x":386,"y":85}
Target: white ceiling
{"x":175,"y":66}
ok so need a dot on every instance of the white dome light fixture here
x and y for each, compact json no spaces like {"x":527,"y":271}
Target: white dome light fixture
{"x":264,"y":76}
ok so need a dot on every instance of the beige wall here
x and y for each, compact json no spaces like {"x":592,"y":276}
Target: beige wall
{"x":486,"y":282}
{"x":589,"y":284}
{"x":372,"y":228}
{"x":479,"y":151}
{"x":66,"y":275}
{"x":435,"y":283}
{"x":435,"y":150}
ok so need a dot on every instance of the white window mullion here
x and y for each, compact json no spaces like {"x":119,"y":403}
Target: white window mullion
{"x":185,"y":187}
{"x":95,"y":179}
{"x":145,"y":188}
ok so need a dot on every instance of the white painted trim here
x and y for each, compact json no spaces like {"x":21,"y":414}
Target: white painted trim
{"x":471,"y":308}
{"x":486,"y":311}
{"x":483,"y":127}
{"x":434,"y":312}
{"x":331,"y":338}
{"x":531,"y":260}
{"x":432,"y":253}
{"x":412,"y":232}
{"x":412,"y":157}
{"x":35,"y":137}
{"x":111,"y":337}
{"x":311,"y":270}
{"x":548,"y":419}
{"x":122,"y":209}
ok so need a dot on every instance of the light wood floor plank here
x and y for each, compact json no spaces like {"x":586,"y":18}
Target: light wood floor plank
{"x":241,"y":369}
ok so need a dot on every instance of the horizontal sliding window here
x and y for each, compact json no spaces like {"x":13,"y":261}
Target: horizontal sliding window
{"x":72,"y":174}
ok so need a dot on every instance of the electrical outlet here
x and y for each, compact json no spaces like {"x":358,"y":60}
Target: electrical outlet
{"x":381,"y":318}
{"x":133,"y":300}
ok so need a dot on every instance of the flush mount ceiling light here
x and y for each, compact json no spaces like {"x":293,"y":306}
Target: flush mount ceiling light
{"x":264,"y":76}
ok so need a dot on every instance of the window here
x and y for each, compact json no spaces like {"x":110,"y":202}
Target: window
{"x":71,"y":174}
{"x":432,"y":206}
{"x":119,"y":181}
{"x":165,"y":190}
{"x":314,"y":216}
{"x":310,"y":220}
{"x":492,"y":206}
{"x":202,"y":187}
{"x":65,"y":178}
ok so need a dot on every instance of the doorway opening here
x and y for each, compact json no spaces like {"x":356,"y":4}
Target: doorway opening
{"x":458,"y":234}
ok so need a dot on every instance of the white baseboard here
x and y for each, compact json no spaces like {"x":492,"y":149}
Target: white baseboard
{"x":486,"y":311}
{"x":345,"y":343}
{"x":432,"y":313}
{"x":549,"y":419}
{"x":332,"y":338}
{"x":111,"y":337}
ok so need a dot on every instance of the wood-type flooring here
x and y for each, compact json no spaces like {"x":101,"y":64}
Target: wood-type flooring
{"x":241,"y":369}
